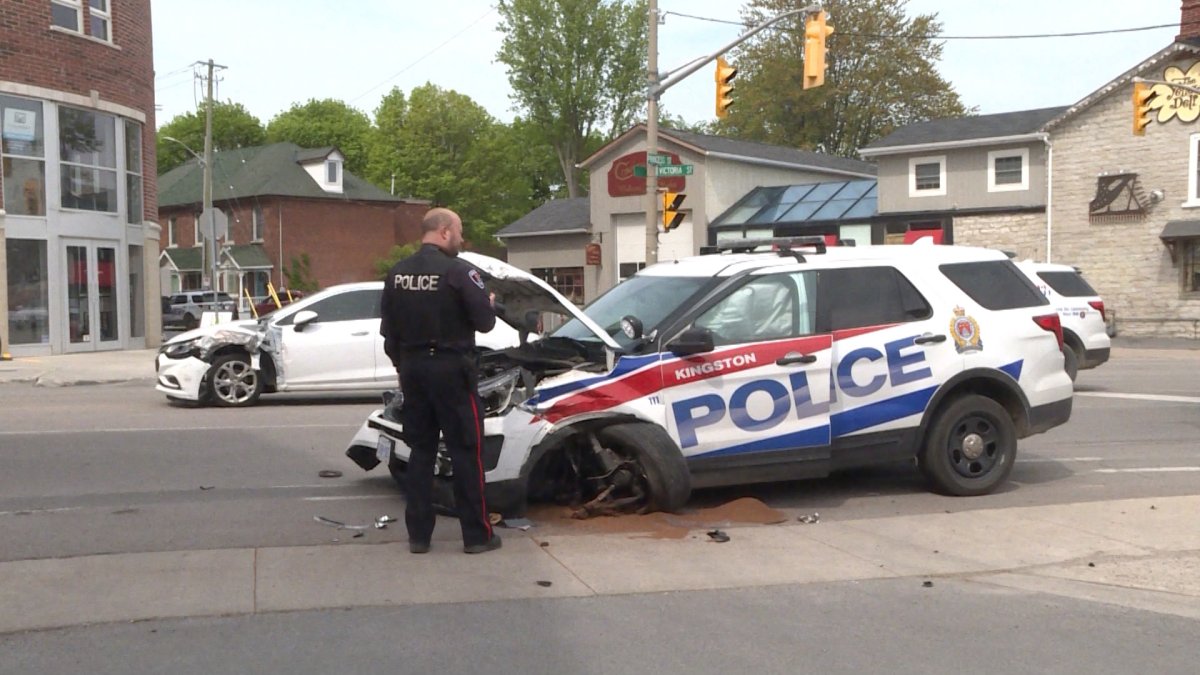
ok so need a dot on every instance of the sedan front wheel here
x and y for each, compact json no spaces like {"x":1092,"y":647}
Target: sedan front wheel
{"x":232,"y":383}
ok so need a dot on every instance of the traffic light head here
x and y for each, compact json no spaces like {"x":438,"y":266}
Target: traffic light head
{"x":724,"y":77}
{"x":1143,"y":97}
{"x":672,"y":216}
{"x":815,"y":31}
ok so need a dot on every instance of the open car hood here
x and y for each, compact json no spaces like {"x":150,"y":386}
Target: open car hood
{"x":520,"y":292}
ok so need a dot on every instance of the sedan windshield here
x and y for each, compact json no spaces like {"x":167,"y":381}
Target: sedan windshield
{"x":649,"y":298}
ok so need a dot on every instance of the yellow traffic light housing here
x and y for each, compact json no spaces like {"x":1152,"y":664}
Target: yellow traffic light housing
{"x":1143,"y":96}
{"x":672,"y":216}
{"x":815,"y":31}
{"x":724,"y":77}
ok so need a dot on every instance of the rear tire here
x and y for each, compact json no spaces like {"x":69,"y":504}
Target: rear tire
{"x":190,"y":322}
{"x":667,"y":476}
{"x":971,"y":447}
{"x":232,"y":383}
{"x":1070,"y":361}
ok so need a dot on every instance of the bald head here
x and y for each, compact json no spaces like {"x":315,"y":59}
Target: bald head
{"x":442,"y":228}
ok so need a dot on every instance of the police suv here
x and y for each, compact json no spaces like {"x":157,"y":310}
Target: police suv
{"x":1080,"y":309}
{"x":759,"y":361}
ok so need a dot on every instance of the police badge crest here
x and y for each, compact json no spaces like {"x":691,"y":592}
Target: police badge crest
{"x":965,"y":330}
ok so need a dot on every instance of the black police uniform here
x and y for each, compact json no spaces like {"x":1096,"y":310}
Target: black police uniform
{"x":432,"y":306}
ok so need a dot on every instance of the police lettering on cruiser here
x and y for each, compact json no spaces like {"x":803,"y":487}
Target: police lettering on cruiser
{"x":417,"y":282}
{"x":859,"y":373}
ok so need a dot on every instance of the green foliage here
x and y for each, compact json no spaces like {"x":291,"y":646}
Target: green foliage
{"x":321,"y":123}
{"x":872,"y":86}
{"x":442,"y":146}
{"x":299,"y":274}
{"x":233,"y":127}
{"x":395,"y":255}
{"x":574,"y":67}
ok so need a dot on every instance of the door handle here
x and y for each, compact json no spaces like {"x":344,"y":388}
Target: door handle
{"x":360,"y":333}
{"x":792,"y":358}
{"x":929,"y":339}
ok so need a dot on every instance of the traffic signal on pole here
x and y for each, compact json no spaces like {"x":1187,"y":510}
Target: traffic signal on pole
{"x":815,"y":32}
{"x":724,"y":77}
{"x":672,"y":216}
{"x":1143,"y":96}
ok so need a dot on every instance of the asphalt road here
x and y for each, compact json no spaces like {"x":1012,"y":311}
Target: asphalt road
{"x":115,"y":468}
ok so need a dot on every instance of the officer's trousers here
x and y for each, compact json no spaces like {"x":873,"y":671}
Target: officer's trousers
{"x":441,"y":394}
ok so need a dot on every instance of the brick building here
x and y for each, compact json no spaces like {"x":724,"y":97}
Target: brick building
{"x":77,"y":192}
{"x":282,"y":203}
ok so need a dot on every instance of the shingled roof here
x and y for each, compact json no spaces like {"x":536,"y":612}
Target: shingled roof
{"x":264,"y":170}
{"x":961,"y":129}
{"x":557,"y":216}
{"x":747,"y":151}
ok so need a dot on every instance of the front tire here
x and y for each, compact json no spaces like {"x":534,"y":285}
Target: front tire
{"x":970,"y":448}
{"x":232,"y":383}
{"x":666,"y":471}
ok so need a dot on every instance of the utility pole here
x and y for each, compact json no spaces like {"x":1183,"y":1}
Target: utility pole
{"x":210,"y":227}
{"x":656,"y":85}
{"x":652,"y":138}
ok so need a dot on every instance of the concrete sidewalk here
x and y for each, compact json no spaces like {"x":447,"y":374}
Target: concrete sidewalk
{"x":1140,"y":553}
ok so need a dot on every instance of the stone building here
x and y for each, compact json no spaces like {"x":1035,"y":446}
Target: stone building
{"x":78,"y":203}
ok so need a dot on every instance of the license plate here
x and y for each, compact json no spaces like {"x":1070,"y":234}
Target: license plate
{"x":384,"y":448}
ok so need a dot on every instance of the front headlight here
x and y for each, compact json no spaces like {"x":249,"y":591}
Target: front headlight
{"x":497,"y":391}
{"x":181,"y":350}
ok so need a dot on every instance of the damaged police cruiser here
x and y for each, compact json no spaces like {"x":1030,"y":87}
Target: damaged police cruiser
{"x":758,"y":361}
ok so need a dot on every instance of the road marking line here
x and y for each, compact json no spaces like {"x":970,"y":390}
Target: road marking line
{"x":47,"y":432}
{"x":1061,"y":459}
{"x":349,"y":497}
{"x":1152,"y":469}
{"x":1141,"y":397}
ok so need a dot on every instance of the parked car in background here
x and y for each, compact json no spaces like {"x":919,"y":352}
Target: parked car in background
{"x":1080,"y":310}
{"x":328,"y":341}
{"x":186,"y":307}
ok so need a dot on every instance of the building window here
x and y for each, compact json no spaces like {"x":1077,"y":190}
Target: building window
{"x":256,"y":224}
{"x":331,"y":172}
{"x":1193,"y":195}
{"x":67,"y":14}
{"x":926,"y":176}
{"x":87,"y":143}
{"x":1191,"y":265}
{"x":28,"y":292}
{"x":565,"y":280}
{"x":22,"y":154}
{"x":101,"y":19}
{"x":1008,"y":170}
{"x":626,"y":270}
{"x":172,"y":241}
{"x":133,"y":172}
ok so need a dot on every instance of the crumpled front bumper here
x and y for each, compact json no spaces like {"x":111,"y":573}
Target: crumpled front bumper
{"x":181,"y":378}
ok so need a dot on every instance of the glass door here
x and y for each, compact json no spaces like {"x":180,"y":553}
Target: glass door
{"x":92,"y":315}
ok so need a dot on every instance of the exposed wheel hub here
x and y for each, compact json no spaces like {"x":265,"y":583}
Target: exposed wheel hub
{"x":972,"y":446}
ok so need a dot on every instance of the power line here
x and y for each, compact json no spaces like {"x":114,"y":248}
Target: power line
{"x":425,"y":55}
{"x":878,"y":36}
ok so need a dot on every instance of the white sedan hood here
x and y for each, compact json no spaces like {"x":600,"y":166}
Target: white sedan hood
{"x":520,"y":292}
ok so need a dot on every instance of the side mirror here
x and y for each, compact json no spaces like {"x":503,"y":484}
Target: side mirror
{"x":692,"y":341}
{"x":303,"y":318}
{"x":631,"y":326}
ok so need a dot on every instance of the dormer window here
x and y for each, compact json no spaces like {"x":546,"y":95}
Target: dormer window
{"x":325,"y":167}
{"x":331,"y":172}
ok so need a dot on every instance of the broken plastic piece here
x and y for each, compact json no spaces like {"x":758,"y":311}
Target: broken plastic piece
{"x":928,"y":584}
{"x":207,"y":487}
{"x":338,"y":524}
{"x":517,"y":523}
{"x":545,"y":584}
{"x":329,"y":473}
{"x":811,"y":518}
{"x":381,"y":522}
{"x":718,"y":536}
{"x":358,"y":534}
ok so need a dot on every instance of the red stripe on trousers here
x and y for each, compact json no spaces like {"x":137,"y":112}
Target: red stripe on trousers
{"x":487,"y":522}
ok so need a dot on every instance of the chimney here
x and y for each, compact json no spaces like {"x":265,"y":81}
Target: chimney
{"x":1189,"y":20}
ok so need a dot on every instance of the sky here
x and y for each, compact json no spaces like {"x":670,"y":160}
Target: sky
{"x":280,"y":52}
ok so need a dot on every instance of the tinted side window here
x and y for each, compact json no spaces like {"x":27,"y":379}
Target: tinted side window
{"x":867,"y":296}
{"x":349,"y":306}
{"x":994,"y":284}
{"x":1070,"y":284}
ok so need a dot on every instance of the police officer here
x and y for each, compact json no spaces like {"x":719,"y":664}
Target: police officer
{"x":432,"y":306}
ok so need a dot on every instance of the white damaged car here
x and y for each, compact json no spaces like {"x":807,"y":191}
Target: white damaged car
{"x":328,"y":341}
{"x":753,"y":364}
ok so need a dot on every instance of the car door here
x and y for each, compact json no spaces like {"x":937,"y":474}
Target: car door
{"x":337,"y":350}
{"x":891,"y":350}
{"x":762,"y":395}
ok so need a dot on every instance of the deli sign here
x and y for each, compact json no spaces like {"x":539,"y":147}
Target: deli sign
{"x":622,"y":182}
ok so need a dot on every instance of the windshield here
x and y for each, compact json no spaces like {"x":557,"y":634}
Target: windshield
{"x":649,"y":298}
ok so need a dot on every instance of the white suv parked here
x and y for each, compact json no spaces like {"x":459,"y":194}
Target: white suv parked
{"x":187,"y":307}
{"x":1080,"y":309}
{"x":749,"y":365}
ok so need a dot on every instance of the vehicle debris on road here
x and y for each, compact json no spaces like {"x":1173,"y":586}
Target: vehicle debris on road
{"x":338,"y":524}
{"x":718,"y":536}
{"x":810,"y":518}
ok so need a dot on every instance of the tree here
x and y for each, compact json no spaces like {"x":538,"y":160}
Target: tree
{"x":442,"y":146}
{"x":395,"y":255}
{"x":574,"y":67}
{"x":881,"y":76}
{"x":299,"y":274}
{"x":326,"y":122}
{"x":233,"y":127}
